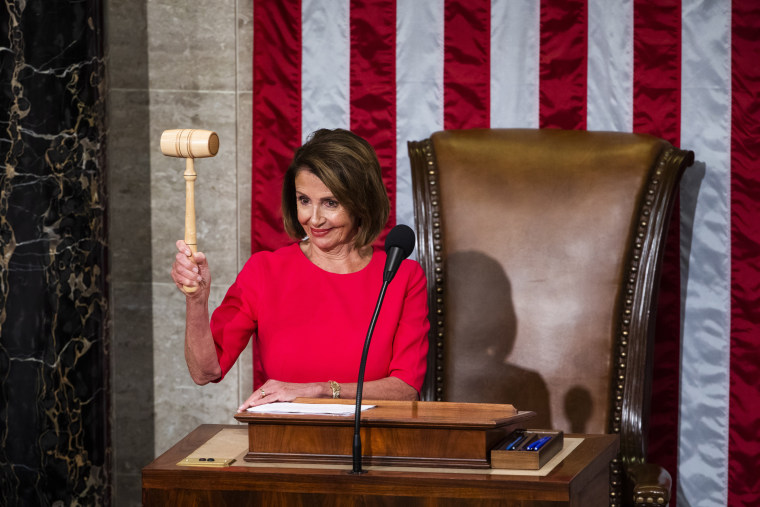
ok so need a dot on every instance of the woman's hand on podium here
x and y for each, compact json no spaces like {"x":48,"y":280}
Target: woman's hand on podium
{"x":274,"y":390}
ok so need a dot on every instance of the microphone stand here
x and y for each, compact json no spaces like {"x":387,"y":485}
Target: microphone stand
{"x":357,"y":447}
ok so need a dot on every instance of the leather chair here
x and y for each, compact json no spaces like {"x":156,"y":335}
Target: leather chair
{"x":543,"y":252}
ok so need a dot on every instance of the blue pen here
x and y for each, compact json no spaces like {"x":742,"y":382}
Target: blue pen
{"x":514,"y":442}
{"x":541,"y":444}
{"x":538,"y":443}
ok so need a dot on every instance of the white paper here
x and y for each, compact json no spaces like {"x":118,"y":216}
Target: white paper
{"x":307,"y":408}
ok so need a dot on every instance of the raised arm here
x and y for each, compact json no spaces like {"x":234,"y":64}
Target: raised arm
{"x":200,"y":351}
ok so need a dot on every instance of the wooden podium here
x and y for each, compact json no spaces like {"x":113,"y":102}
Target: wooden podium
{"x":401,"y":433}
{"x":578,"y":477}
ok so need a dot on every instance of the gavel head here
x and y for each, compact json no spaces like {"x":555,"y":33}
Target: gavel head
{"x":189,"y":143}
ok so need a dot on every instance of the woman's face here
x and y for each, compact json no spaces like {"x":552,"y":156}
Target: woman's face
{"x":326,"y":222}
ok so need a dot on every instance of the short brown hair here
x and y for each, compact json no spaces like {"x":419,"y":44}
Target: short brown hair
{"x":348,"y":166}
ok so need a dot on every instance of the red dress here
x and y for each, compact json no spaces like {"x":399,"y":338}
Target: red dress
{"x":309,"y":325}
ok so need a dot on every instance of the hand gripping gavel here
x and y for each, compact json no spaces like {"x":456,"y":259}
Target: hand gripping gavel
{"x":189,"y":144}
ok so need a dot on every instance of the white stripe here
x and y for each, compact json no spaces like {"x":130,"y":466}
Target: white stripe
{"x":705,"y":253}
{"x":514,"y":63}
{"x":419,"y":88}
{"x":325,"y":54}
{"x":610,"y":65}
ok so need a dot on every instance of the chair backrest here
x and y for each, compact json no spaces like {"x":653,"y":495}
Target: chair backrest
{"x":542,"y":250}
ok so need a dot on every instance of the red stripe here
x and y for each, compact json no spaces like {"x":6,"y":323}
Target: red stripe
{"x":466,"y":64}
{"x":657,"y":111}
{"x":276,"y":113}
{"x":744,"y":400}
{"x":563,"y":64}
{"x":657,"y":68}
{"x":373,"y":85}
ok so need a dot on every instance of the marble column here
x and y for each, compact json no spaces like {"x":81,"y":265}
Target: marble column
{"x":54,"y":326}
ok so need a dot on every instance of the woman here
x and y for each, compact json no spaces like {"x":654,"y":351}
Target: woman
{"x":308,"y":305}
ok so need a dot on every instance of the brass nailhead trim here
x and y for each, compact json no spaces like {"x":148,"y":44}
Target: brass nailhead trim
{"x":630,"y":291}
{"x":616,"y":481}
{"x":432,"y":186}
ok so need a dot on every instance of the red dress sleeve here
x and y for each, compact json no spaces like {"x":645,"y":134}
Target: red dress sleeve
{"x":410,"y":345}
{"x":235,"y":320}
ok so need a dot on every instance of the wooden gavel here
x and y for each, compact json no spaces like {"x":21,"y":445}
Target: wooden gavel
{"x":189,"y":144}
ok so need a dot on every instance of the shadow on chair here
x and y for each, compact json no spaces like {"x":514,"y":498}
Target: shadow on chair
{"x":480,"y":366}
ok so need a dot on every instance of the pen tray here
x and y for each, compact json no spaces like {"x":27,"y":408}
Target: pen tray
{"x":522,"y":459}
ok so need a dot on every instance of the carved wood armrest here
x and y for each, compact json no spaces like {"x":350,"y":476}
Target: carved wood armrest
{"x":650,"y":484}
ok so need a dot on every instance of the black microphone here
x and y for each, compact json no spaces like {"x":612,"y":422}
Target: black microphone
{"x":398,"y":246}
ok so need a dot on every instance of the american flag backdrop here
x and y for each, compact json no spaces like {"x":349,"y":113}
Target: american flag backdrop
{"x":684,"y":70}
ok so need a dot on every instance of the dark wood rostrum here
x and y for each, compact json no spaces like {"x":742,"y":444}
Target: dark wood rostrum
{"x":420,"y":433}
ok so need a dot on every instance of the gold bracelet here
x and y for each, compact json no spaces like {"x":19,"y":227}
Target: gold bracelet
{"x":335,"y":389}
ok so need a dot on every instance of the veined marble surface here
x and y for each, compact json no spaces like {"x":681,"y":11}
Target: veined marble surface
{"x":54,"y":307}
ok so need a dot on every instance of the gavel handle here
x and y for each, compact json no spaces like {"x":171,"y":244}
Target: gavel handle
{"x":190,"y":236}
